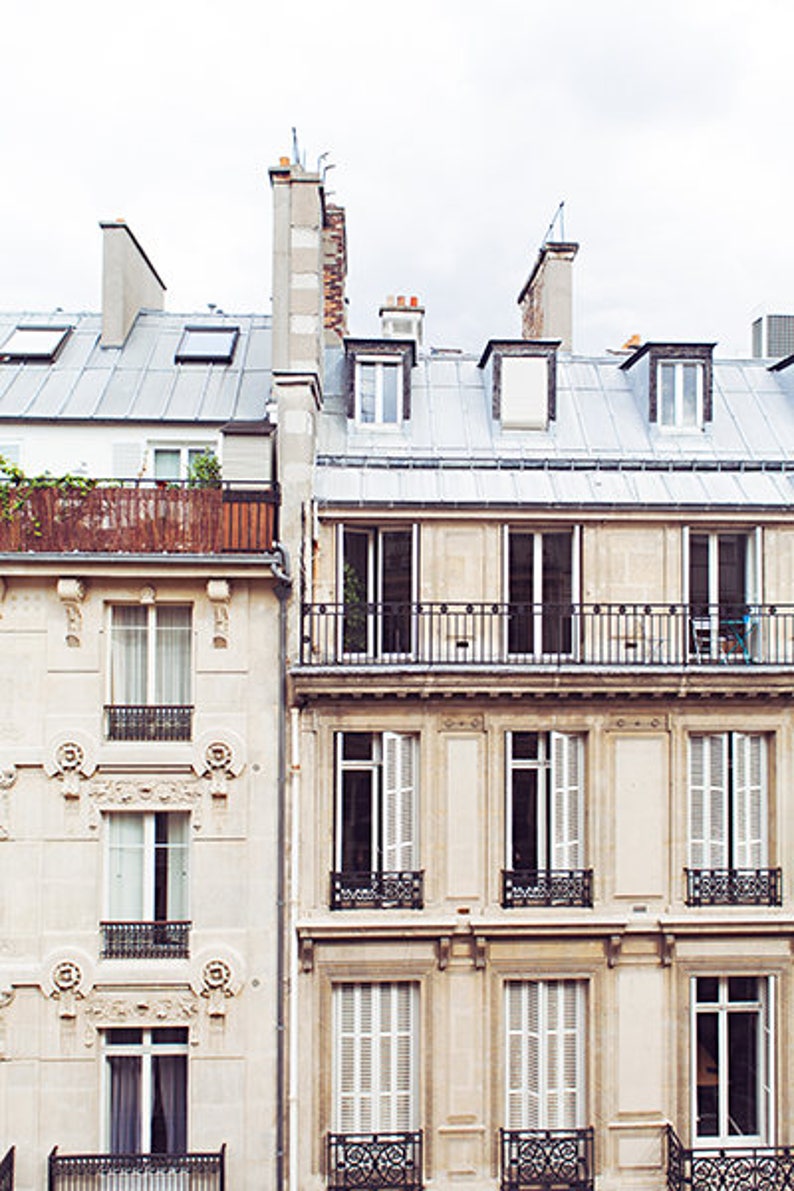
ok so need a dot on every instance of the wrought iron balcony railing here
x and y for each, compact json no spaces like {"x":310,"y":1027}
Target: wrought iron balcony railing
{"x":383,"y":891}
{"x":370,"y":1161}
{"x":547,"y":1159}
{"x":143,"y":1172}
{"x":160,"y":722}
{"x":140,"y":517}
{"x":759,"y":1168}
{"x":510,"y":634}
{"x":145,"y":940}
{"x":734,"y":887}
{"x":7,"y":1171}
{"x":547,"y":887}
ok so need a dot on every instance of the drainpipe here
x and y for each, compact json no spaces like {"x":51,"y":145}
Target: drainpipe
{"x":295,"y":782}
{"x":281,"y":571}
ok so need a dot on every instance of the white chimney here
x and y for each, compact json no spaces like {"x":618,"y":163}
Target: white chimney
{"x":130,"y":283}
{"x":546,"y":300}
{"x":402,"y":318}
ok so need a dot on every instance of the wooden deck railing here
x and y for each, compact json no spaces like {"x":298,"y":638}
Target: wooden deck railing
{"x":154,"y":518}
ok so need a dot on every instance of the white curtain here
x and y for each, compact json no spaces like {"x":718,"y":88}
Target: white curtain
{"x":128,"y":635}
{"x":172,"y":655}
{"x":126,"y":867}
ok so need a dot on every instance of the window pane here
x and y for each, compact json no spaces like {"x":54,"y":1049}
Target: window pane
{"x":521,"y":550}
{"x":742,"y":988}
{"x":172,"y":650}
{"x":743,"y":1074}
{"x":390,"y":374}
{"x":526,"y":746}
{"x":708,"y":1075}
{"x":397,"y":589}
{"x":689,"y":408}
{"x":170,"y":867}
{"x":356,"y":850}
{"x":366,"y":392}
{"x":128,"y":663}
{"x":125,"y":860}
{"x":166,"y":464}
{"x":169,"y":1104}
{"x":557,"y":591}
{"x":125,"y":1103}
{"x":667,"y":394}
{"x":707,"y":989}
{"x":357,"y":746}
{"x":525,"y":821}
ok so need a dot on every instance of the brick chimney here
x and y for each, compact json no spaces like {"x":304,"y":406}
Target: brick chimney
{"x":130,"y":283}
{"x":546,"y":300}
{"x":334,"y":274}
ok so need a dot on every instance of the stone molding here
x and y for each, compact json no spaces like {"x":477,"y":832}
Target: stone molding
{"x":71,"y":593}
{"x":219,"y":596}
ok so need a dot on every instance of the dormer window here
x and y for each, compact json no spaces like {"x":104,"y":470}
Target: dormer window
{"x":680,"y":393}
{"x":378,"y":381}
{"x":675,"y":379}
{"x":522,"y":377}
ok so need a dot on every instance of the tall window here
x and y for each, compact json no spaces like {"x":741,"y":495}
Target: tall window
{"x":542,"y":587}
{"x":147,"y":885}
{"x":728,"y":802}
{"x":732,"y":1059}
{"x":544,"y":1044}
{"x":147,"y":1090}
{"x":150,"y":648}
{"x":723,"y":581}
{"x":379,"y":391}
{"x":680,"y":387}
{"x":377,"y":584}
{"x":375,"y":1058}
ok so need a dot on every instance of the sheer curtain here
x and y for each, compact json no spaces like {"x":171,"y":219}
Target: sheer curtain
{"x":125,"y":1104}
{"x":128,"y":676}
{"x":172,"y":653}
{"x":126,"y":893}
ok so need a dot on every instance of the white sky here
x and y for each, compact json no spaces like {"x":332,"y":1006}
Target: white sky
{"x":455,"y":127}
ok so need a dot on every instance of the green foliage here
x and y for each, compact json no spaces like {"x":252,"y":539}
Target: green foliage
{"x":17,"y":488}
{"x":204,"y":471}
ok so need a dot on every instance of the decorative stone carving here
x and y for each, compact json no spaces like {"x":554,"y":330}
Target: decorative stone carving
{"x":218,"y":757}
{"x":8,"y":775}
{"x":67,"y":981}
{"x":144,"y":794}
{"x":147,"y":595}
{"x":216,"y":978}
{"x":219,"y":595}
{"x":138,"y":1009}
{"x":70,"y":759}
{"x":71,"y":593}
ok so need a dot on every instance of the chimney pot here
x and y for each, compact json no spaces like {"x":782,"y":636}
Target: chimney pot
{"x":401,"y":300}
{"x":414,"y":300}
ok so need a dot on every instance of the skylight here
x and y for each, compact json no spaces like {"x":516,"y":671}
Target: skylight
{"x":207,"y":345}
{"x":34,"y":343}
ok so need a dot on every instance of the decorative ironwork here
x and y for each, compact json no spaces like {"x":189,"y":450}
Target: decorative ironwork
{"x":144,"y":1172}
{"x":760,"y":1168}
{"x":148,"y":723}
{"x":547,"y":887}
{"x":547,"y":1160}
{"x":373,"y":1160}
{"x":7,"y":1171}
{"x":145,"y":940}
{"x":357,"y":633}
{"x":384,"y":891}
{"x":734,"y":887}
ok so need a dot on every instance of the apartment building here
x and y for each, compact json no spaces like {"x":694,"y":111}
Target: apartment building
{"x":541,"y":782}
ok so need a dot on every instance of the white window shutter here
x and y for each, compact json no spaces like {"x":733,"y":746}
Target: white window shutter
{"x":708,"y":801}
{"x":567,"y":801}
{"x":127,"y":460}
{"x":375,"y":1026}
{"x":545,"y":1066}
{"x":126,"y":868}
{"x":523,"y":1055}
{"x":399,"y":803}
{"x":749,"y":801}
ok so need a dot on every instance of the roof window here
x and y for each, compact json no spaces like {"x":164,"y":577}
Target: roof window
{"x":207,"y":345}
{"x":34,"y":344}
{"x":676,"y":379}
{"x":379,"y":381}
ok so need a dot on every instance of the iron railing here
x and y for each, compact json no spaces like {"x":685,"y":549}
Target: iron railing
{"x":140,"y":517}
{"x":759,"y":1168}
{"x":145,"y":940}
{"x":369,"y":1161}
{"x":7,"y":1171}
{"x":156,"y":722}
{"x":136,"y":1172}
{"x":547,"y":1159}
{"x":384,"y":891}
{"x":547,"y":887}
{"x":734,"y":887}
{"x":480,"y":634}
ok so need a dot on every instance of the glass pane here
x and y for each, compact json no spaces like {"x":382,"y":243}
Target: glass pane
{"x":397,"y":589}
{"x":689,"y":408}
{"x":557,"y":592}
{"x":170,"y":867}
{"x":526,"y":746}
{"x":207,"y":344}
{"x":355,"y":590}
{"x":170,"y":1036}
{"x":743,"y":1074}
{"x":707,"y":989}
{"x":167,"y":463}
{"x":357,"y":746}
{"x":732,"y":549}
{"x":128,"y":662}
{"x":172,"y":655}
{"x":708,"y":1075}
{"x":390,"y":374}
{"x":123,"y":1037}
{"x":525,"y":821}
{"x":520,"y":583}
{"x":125,"y":1103}
{"x":699,"y":573}
{"x":356,"y":850}
{"x":742,"y":988}
{"x":125,"y":862}
{"x":667,"y":394}
{"x":169,"y":1104}
{"x":366,"y":392}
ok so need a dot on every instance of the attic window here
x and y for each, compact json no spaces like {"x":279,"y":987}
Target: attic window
{"x":207,"y":345}
{"x":676,"y":379}
{"x":522,"y":377}
{"x":378,"y":381}
{"x":34,"y":344}
{"x":680,"y":393}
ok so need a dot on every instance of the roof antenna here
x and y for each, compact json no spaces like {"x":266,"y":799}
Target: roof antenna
{"x":559,"y":218}
{"x":296,"y":157}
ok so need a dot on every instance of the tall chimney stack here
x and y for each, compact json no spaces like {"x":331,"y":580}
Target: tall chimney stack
{"x":546,"y":300}
{"x":130,"y":283}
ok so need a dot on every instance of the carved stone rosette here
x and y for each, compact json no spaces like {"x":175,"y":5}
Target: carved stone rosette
{"x":70,"y":758}
{"x":218,"y":757}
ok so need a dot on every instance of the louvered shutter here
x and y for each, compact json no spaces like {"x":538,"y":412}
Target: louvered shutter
{"x":567,"y":802}
{"x":545,"y":1067}
{"x":749,"y":802}
{"x":523,"y":1055}
{"x":708,"y":801}
{"x":375,"y":1028}
{"x":399,"y":803}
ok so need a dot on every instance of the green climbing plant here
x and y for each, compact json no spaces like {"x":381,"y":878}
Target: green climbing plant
{"x":17,"y":489}
{"x":204,"y":471}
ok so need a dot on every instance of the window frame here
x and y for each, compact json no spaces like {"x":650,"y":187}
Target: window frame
{"x":549,"y":792}
{"x":187,"y":452}
{"x":152,"y":611}
{"x":147,"y":1049}
{"x":151,"y":873}
{"x":542,"y":624}
{"x":376,"y":766}
{"x":379,"y":363}
{"x":677,"y":367}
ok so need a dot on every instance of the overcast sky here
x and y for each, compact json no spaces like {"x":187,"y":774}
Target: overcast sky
{"x":455,"y":127}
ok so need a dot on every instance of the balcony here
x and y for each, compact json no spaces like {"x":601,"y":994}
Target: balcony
{"x":369,"y":1161}
{"x":734,"y":887}
{"x":547,"y":887}
{"x":546,"y":1160}
{"x":124,"y":722}
{"x":377,"y":891}
{"x":7,"y":1171}
{"x":154,"y":517}
{"x":136,"y":1172}
{"x":759,"y":1168}
{"x":145,"y":940}
{"x":523,"y":635}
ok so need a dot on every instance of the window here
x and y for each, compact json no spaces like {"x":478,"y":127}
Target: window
{"x":150,"y":672}
{"x":728,"y":821}
{"x":723,"y":583}
{"x":34,"y":344}
{"x":732,"y":1059}
{"x":376,"y":829}
{"x":146,"y":1090}
{"x":544,"y":1045}
{"x":379,"y":391}
{"x":175,"y":462}
{"x":542,"y":587}
{"x":147,"y":886}
{"x":378,"y":586}
{"x":375,"y":1060}
{"x":680,"y":393}
{"x":545,"y":821}
{"x":207,"y":345}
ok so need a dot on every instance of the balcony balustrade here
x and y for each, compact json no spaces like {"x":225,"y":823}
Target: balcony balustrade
{"x":518,"y":635}
{"x":158,"y":722}
{"x":734,"y":887}
{"x":547,"y":887}
{"x":136,"y":1172}
{"x":546,"y":1160}
{"x":7,"y":1171}
{"x":145,"y":940}
{"x":384,"y":891}
{"x":152,"y":517}
{"x":371,"y":1161}
{"x":761,"y":1168}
